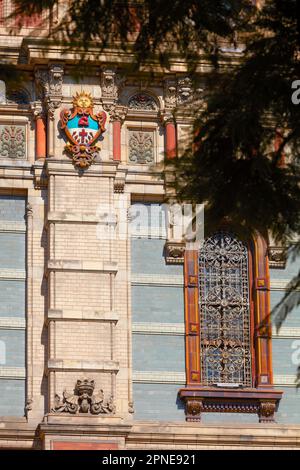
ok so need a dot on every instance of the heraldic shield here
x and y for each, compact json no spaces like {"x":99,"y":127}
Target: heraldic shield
{"x":82,"y":128}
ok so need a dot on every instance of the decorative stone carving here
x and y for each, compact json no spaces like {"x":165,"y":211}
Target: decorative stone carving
{"x":119,"y":182}
{"x":174,"y":252}
{"x":230,"y":400}
{"x":170,"y":94}
{"x":12,"y":142}
{"x":166,"y":117}
{"x":119,"y":186}
{"x":185,"y":90}
{"x":118,"y":113}
{"x":193,"y":410}
{"x":37,"y":109}
{"x":142,"y":102}
{"x":266,"y":412}
{"x":28,"y":406}
{"x":141,"y":147}
{"x":131,"y":407}
{"x":84,"y":400}
{"x":50,"y":84}
{"x":40,"y":176}
{"x":29,"y":210}
{"x":42,"y":82}
{"x":111,"y":84}
{"x":277,"y":257}
{"x":56,"y":72}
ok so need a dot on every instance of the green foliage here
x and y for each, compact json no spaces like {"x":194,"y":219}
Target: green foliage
{"x":151,"y":29}
{"x":235,"y":169}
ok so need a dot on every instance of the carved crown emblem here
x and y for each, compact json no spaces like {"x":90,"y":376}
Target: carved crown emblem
{"x":82,"y":128}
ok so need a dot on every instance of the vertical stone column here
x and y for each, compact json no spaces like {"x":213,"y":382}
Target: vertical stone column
{"x":49,"y":83}
{"x":40,"y":130}
{"x":117,"y":140}
{"x":117,"y":118}
{"x":110,"y":90}
{"x":171,"y":145}
{"x":170,"y":135}
{"x":29,"y":330}
{"x":170,"y":99}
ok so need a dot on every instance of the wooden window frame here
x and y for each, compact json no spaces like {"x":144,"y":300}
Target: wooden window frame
{"x":261,"y":398}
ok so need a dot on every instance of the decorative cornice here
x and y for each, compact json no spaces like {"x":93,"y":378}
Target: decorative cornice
{"x":264,"y":402}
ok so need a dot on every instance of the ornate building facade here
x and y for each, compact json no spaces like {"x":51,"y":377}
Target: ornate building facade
{"x":114,"y":333}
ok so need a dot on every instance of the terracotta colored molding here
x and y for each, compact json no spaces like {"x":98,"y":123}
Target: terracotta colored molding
{"x":117,"y":140}
{"x":171,"y":149}
{"x":40,"y":138}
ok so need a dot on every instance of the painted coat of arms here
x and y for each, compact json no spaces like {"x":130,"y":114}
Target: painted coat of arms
{"x":82,"y":128}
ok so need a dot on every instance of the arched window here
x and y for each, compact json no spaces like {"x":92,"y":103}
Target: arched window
{"x":224,"y":307}
{"x":142,"y":102}
{"x":228,"y":330}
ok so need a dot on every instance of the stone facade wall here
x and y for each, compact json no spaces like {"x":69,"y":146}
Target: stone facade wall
{"x":103,"y":302}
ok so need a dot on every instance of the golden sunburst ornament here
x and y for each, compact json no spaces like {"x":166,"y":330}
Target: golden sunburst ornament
{"x":83,"y":100}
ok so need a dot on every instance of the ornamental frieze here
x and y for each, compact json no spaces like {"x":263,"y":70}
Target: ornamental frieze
{"x":83,"y":400}
{"x":82,"y":128}
{"x":12,"y":142}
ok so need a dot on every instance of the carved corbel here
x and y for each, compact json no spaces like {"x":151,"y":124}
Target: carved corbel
{"x":174,"y":252}
{"x":49,"y":83}
{"x":170,"y":94}
{"x":277,"y":254}
{"x":266,"y":412}
{"x":37,"y":109}
{"x":40,"y":176}
{"x":119,"y":182}
{"x":53,"y":100}
{"x":193,"y":409}
{"x":111,"y":84}
{"x":184,"y":90}
{"x":118,"y":113}
{"x":277,"y":257}
{"x":166,"y":117}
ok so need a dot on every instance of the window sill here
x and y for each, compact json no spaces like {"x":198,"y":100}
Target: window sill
{"x":263,"y":401}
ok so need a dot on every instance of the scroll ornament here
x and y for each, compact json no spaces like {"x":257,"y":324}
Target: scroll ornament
{"x":83,"y":400}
